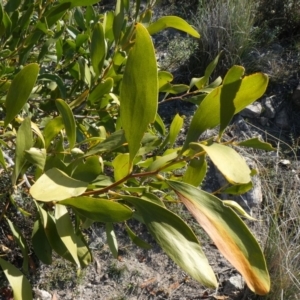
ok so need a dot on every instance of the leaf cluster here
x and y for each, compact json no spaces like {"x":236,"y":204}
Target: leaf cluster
{"x":79,"y":95}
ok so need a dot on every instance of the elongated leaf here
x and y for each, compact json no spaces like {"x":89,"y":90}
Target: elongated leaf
{"x":53,"y":237}
{"x":139,"y":90}
{"x":55,"y":13}
{"x":118,"y":19}
{"x":235,"y":206}
{"x":98,"y":49}
{"x":231,"y":85}
{"x":111,"y":239}
{"x":20,"y":240}
{"x":19,"y":91}
{"x":175,"y":128}
{"x":164,"y":78}
{"x":114,"y":141}
{"x":135,"y":239}
{"x":121,"y":166}
{"x":23,"y":143}
{"x":160,"y":162}
{"x":69,"y":121}
{"x":229,"y":233}
{"x":81,"y":2}
{"x":174,"y":22}
{"x":52,"y":128}
{"x":238,"y":189}
{"x":40,"y":243}
{"x":228,"y":161}
{"x":257,"y":144}
{"x":55,"y":78}
{"x":196,"y":171}
{"x":55,"y":185}
{"x":36,"y":156}
{"x":208,"y":113}
{"x":100,"y":90}
{"x":83,"y":252}
{"x":100,"y":210}
{"x":2,"y":160}
{"x":176,"y":239}
{"x":65,"y":231}
{"x":19,"y":283}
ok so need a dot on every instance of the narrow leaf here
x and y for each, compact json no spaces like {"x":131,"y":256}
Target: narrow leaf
{"x":111,"y":239}
{"x":52,"y":128}
{"x":69,"y":121}
{"x":229,"y":233}
{"x":257,"y":144}
{"x":235,"y":206}
{"x":121,"y":166}
{"x":81,"y":2}
{"x":36,"y":156}
{"x":100,"y":210}
{"x":176,"y":239}
{"x":196,"y":171}
{"x":19,"y":283}
{"x":175,"y":128}
{"x":139,"y":93}
{"x":65,"y":231}
{"x":98,"y":49}
{"x":19,"y":91}
{"x":136,"y":240}
{"x":174,"y":22}
{"x":23,"y":142}
{"x":55,"y":185}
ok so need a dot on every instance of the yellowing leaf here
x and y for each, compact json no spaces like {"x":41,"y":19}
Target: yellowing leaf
{"x":139,"y":90}
{"x":229,"y":233}
{"x":111,"y":239}
{"x":55,"y":185}
{"x":174,"y":22}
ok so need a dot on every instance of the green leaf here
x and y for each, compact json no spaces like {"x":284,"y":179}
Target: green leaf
{"x":177,"y":239}
{"x":2,"y":160}
{"x":60,"y":84}
{"x":228,"y":161}
{"x":69,"y":121}
{"x":83,"y":252}
{"x":121,"y":166}
{"x":231,"y":85}
{"x":235,"y":206}
{"x":256,"y":144}
{"x":113,"y":142}
{"x":65,"y":231}
{"x":100,"y":210}
{"x":23,"y":143}
{"x":19,"y":283}
{"x":100,"y":90}
{"x":175,"y":128}
{"x":56,"y":13}
{"x":81,"y":2}
{"x":36,"y":156}
{"x":52,"y":128}
{"x":238,"y":189}
{"x":174,"y":22}
{"x":136,"y":240}
{"x":207,"y":115}
{"x":196,"y":171}
{"x":159,"y":125}
{"x":139,"y":93}
{"x":20,"y":240}
{"x":164,"y":78}
{"x":118,"y":19}
{"x":111,"y":239}
{"x":19,"y":91}
{"x":89,"y":169}
{"x":229,"y":233}
{"x":98,"y":49}
{"x":54,"y":239}
{"x":174,"y":88}
{"x":55,"y":185}
{"x":40,"y":243}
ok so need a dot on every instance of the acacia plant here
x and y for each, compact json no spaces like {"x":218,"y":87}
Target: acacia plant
{"x":79,"y":97}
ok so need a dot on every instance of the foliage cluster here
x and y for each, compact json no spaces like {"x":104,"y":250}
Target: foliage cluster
{"x":79,"y":97}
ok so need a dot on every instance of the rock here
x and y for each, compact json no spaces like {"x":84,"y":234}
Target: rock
{"x":264,"y":121}
{"x":269,"y":110}
{"x":282,"y":119}
{"x":296,"y":96}
{"x":253,"y":110}
{"x":42,"y":295}
{"x":234,"y":283}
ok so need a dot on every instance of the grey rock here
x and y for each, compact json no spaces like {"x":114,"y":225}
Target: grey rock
{"x":253,"y":110}
{"x":234,"y":283}
{"x":42,"y":295}
{"x":296,"y":96}
{"x":269,"y":109}
{"x":282,"y":119}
